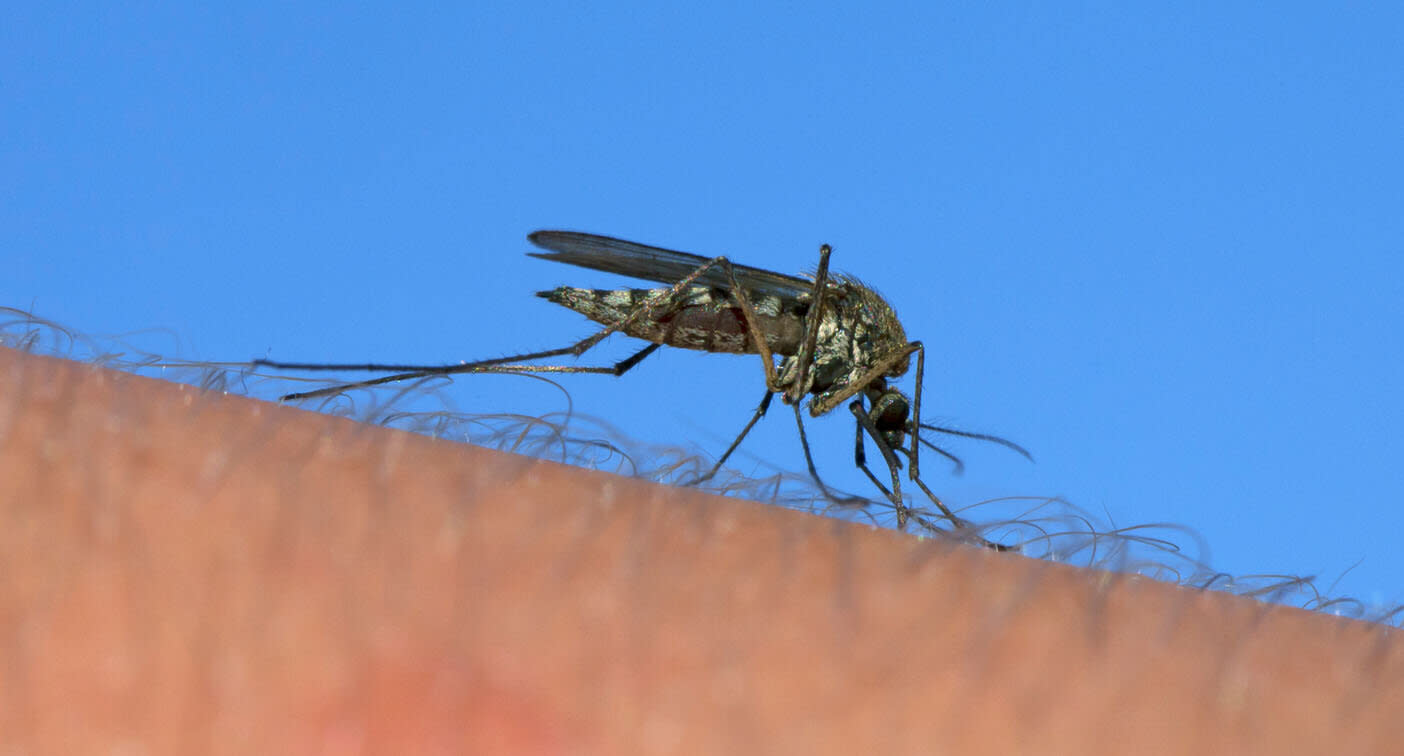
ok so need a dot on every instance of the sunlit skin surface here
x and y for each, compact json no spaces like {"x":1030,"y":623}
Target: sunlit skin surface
{"x":190,"y":572}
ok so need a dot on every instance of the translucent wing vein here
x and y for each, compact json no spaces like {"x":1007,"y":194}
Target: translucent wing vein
{"x":666,"y":266}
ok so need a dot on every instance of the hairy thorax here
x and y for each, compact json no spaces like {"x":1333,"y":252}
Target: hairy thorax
{"x":857,"y":331}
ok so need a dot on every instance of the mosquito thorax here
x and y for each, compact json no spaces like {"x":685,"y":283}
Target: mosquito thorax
{"x":900,"y":369}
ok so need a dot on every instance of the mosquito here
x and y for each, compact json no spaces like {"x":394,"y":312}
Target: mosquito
{"x":837,"y":339}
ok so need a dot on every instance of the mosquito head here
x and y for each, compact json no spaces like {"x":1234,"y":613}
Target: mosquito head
{"x":888,"y":411}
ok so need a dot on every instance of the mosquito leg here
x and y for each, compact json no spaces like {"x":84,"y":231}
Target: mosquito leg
{"x":624,"y":365}
{"x":425,"y":369}
{"x":809,"y":461}
{"x":748,"y":313}
{"x":343,"y":387}
{"x":913,"y":471}
{"x":768,"y":361}
{"x":962,"y":523}
{"x":914,"y":463}
{"x":760,"y":412}
{"x":865,"y":423}
{"x":811,"y":329}
{"x":860,"y":455}
{"x":984,"y":542}
{"x":484,"y":366}
{"x":331,"y":390}
{"x":903,"y":512}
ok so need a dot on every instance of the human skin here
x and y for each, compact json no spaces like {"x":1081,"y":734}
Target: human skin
{"x":188,"y":572}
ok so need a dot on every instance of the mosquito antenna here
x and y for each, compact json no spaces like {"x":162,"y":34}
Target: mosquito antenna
{"x":957,"y":462}
{"x":979,"y":437}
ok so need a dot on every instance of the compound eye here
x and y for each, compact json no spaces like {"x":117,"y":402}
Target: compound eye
{"x":890,"y":411}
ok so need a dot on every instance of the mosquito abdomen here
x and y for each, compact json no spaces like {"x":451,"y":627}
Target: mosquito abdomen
{"x":703,"y":319}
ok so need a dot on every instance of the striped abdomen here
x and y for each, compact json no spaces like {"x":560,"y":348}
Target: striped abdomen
{"x":703,"y":318}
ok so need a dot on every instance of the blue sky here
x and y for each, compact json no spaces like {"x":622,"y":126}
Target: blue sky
{"x":1157,"y":244}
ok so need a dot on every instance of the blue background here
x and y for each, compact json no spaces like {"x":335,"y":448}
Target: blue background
{"x":1157,"y":244}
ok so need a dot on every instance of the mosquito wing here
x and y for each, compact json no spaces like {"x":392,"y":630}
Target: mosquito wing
{"x":656,"y":264}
